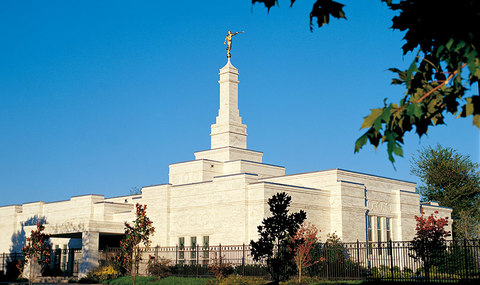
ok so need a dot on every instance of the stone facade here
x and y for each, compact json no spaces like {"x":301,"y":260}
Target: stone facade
{"x":221,"y":197}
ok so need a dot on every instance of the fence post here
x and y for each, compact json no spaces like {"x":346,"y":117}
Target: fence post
{"x":358,"y":258}
{"x":326,"y":259}
{"x":220,"y":253}
{"x":243,"y":258}
{"x":390,"y":251}
{"x":466,"y":258}
{"x":176,"y":254}
{"x":197,"y":265}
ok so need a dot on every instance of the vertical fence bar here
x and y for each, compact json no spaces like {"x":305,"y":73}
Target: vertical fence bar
{"x":176,"y":254}
{"x":220,"y":253}
{"x":465,"y":257}
{"x":358,"y":259}
{"x":327,"y":259}
{"x":243,"y":259}
{"x":390,"y":252}
{"x":198,"y":256}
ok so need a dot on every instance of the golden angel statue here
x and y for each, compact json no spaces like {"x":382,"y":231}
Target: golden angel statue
{"x":228,"y":41}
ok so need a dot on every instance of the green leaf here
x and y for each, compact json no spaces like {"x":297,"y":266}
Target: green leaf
{"x":370,"y":119}
{"x":409,"y":74}
{"x":396,"y":81}
{"x":459,"y":46}
{"x":384,"y":117}
{"x":395,"y":70}
{"x":469,"y":107}
{"x":473,"y":63}
{"x":439,"y":50}
{"x":476,"y":121}
{"x":361,"y":141}
{"x":322,"y":9}
{"x":449,"y":43}
{"x":392,"y":146}
{"x":414,"y":109}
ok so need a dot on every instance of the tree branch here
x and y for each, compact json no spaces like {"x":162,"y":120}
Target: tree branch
{"x":439,"y":86}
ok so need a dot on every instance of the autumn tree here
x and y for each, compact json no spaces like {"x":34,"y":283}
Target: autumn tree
{"x":302,"y":244}
{"x":444,"y":38}
{"x":219,"y":267}
{"x":273,"y":244}
{"x":429,"y":242}
{"x":36,"y":251}
{"x":453,"y":180}
{"x":135,"y":235}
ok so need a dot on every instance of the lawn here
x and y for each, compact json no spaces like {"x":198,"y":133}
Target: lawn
{"x":155,"y":281}
{"x":239,"y":280}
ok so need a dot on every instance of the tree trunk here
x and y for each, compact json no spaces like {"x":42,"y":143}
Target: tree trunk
{"x":300,"y":274}
{"x":134,"y":257}
{"x":30,"y":278}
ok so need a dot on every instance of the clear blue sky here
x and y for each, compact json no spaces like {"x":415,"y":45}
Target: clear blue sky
{"x":101,"y":96}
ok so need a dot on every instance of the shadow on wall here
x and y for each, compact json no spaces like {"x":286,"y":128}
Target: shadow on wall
{"x":19,"y":238}
{"x":9,"y":261}
{"x":75,"y":243}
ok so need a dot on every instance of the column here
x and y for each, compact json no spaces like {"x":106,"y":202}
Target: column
{"x":90,"y":242}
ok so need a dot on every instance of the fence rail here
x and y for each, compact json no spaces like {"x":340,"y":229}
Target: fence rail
{"x":456,"y":260}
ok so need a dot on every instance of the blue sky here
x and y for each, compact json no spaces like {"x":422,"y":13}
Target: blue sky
{"x":101,"y":96}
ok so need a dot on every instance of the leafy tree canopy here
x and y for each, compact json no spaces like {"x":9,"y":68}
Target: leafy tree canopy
{"x":273,"y":244}
{"x":136,"y":234}
{"x":429,"y":242}
{"x":303,"y":245}
{"x":453,"y":180}
{"x":36,"y":251}
{"x":445,"y":37}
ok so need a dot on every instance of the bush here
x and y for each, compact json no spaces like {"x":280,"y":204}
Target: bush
{"x":189,"y":270}
{"x":252,"y":270}
{"x":141,"y":280}
{"x":219,"y":267}
{"x":237,"y":280}
{"x":13,"y":272}
{"x":101,"y":274}
{"x":160,"y":268}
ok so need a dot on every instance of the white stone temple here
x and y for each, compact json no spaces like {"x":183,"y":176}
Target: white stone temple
{"x":221,"y":197}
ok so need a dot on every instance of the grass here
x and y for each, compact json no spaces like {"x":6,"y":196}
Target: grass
{"x":314,"y":281}
{"x":126,"y":280}
{"x":238,"y":280}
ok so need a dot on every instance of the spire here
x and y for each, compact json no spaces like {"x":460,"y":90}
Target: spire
{"x":228,"y":129}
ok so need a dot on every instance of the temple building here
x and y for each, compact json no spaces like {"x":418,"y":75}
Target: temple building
{"x":221,"y":197}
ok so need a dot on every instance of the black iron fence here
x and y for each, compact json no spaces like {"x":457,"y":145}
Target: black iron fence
{"x":396,"y":261}
{"x":457,"y":260}
{"x":63,"y":262}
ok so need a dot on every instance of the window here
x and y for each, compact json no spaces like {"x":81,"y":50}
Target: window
{"x":379,"y":235}
{"x":369,"y":233}
{"x":64,"y":257}
{"x":181,"y":248}
{"x":193,"y":242}
{"x":206,"y":244}
{"x":379,"y":229}
{"x":388,"y":230}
